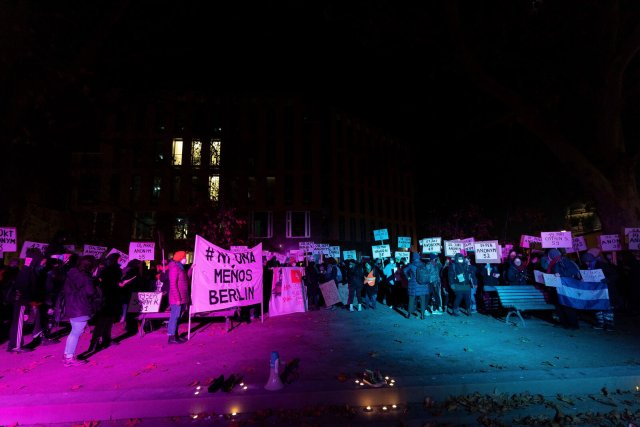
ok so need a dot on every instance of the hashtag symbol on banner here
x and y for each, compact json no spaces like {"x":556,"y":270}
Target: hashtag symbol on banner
{"x":209,"y":254}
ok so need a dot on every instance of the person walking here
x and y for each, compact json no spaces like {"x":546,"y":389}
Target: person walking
{"x":178,"y":294}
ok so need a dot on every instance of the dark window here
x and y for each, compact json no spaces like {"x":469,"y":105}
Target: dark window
{"x":114,"y":188}
{"x":341,"y":229}
{"x":175,"y":189}
{"x":156,"y":189}
{"x":288,"y":190}
{"x":270,"y":194}
{"x":352,"y":229}
{"x":136,"y":186}
{"x":307,"y":189}
{"x":89,"y":189}
{"x":288,"y":137}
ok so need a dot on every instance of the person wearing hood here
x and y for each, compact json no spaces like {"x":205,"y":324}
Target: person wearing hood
{"x":178,"y":294}
{"x":604,"y":318}
{"x":460,"y":282}
{"x":355,"y":277}
{"x":563,"y":267}
{"x":23,"y":292}
{"x":517,"y":273}
{"x":415,"y":289}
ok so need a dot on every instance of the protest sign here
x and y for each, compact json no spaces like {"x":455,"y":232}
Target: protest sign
{"x":237,"y":249}
{"x":402,"y":256}
{"x":634,"y":241}
{"x":123,"y":260}
{"x":287,"y":291}
{"x":95,"y":251}
{"x":143,"y":251}
{"x":468,"y":244}
{"x":330,"y":293}
{"x":487,"y":252}
{"x":8,"y":239}
{"x":381,"y":234}
{"x":431,"y":245}
{"x":538,"y":276}
{"x":321,"y":249}
{"x":404,"y":242}
{"x":334,"y":252}
{"x":381,"y":251}
{"x":453,"y":247}
{"x":349,"y":255}
{"x":556,"y":239}
{"x":527,"y":242}
{"x":144,"y":302}
{"x":552,"y":280}
{"x":595,"y":275}
{"x":306,"y":246}
{"x":610,"y":242}
{"x":32,"y":245}
{"x":578,"y":244}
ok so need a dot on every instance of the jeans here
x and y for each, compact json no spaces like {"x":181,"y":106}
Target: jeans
{"x":436,"y":291}
{"x":77,"y":327}
{"x":354,"y":292}
{"x":370,"y":299}
{"x":172,"y":328}
{"x":460,"y":295}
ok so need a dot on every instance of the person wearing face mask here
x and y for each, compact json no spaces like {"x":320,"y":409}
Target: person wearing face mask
{"x":460,"y":282}
{"x":178,"y":294}
{"x":517,"y":272}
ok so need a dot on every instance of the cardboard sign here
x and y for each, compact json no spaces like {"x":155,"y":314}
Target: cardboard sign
{"x":451,"y":248}
{"x":123,"y":260}
{"x":610,"y":242}
{"x":95,"y":251}
{"x":595,"y":275}
{"x":487,"y":252}
{"x":431,"y":245}
{"x":334,"y":252}
{"x":538,"y":276}
{"x":527,"y":242}
{"x":403,"y":256}
{"x":321,"y":249}
{"x":552,"y":280}
{"x":381,"y":251}
{"x":382,"y":234}
{"x":468,"y":244}
{"x":306,"y":246}
{"x":144,"y":302}
{"x":8,"y":239}
{"x":578,"y":244}
{"x":404,"y":242}
{"x":556,"y":239}
{"x":330,"y":293}
{"x":629,"y":230}
{"x":349,"y":255}
{"x":29,"y":245}
{"x":634,"y":241}
{"x":143,"y":251}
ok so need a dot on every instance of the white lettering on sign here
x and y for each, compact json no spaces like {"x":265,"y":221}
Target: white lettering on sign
{"x":431,"y":245}
{"x":468,"y":244}
{"x":556,"y":239}
{"x":382,"y":234}
{"x":334,"y":252}
{"x":487,"y":252}
{"x":236,"y":249}
{"x":404,"y":242}
{"x":8,"y":239}
{"x":307,"y":246}
{"x":610,"y":242}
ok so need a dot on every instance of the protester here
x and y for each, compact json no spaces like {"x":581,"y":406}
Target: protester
{"x":389,"y":278}
{"x":416,"y":289}
{"x":434,"y":266}
{"x":178,"y":295}
{"x":460,"y":282}
{"x":563,"y":267}
{"x":108,"y":280}
{"x":604,"y":318}
{"x":517,"y":273}
{"x":355,"y":276}
{"x":371,"y":280}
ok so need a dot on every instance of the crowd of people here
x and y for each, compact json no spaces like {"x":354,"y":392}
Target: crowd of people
{"x":75,"y":291}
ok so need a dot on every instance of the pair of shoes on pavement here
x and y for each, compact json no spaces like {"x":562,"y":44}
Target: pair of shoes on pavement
{"x":225,"y":385}
{"x":174,"y":339}
{"x":373,"y":378}
{"x":437,"y":312}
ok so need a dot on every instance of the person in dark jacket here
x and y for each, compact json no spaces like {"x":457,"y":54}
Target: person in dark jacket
{"x":517,"y":273}
{"x":178,"y":294}
{"x":460,"y":282}
{"x":563,"y":267}
{"x":79,"y":291}
{"x":23,"y":293}
{"x":108,"y":280}
{"x":604,"y":318}
{"x":415,"y":290}
{"x":355,"y":277}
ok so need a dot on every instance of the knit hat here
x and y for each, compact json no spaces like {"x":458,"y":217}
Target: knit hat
{"x":587,"y":257}
{"x":179,"y":256}
{"x":554,"y":253}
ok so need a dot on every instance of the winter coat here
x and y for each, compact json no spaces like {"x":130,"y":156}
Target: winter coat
{"x":516,"y":276}
{"x":178,"y":284}
{"x":78,"y":291}
{"x":356,"y":277}
{"x":487,"y":275}
{"x":108,"y":280}
{"x":414,"y":288}
{"x":458,"y":271}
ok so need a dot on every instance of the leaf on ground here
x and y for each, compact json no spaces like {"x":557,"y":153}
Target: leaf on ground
{"x":398,"y":341}
{"x":546,"y":362}
{"x":604,"y":391}
{"x":76,"y":387}
{"x":565,"y":399}
{"x":468,"y":349}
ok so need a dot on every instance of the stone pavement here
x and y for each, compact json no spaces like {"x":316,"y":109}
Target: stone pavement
{"x":145,"y":380}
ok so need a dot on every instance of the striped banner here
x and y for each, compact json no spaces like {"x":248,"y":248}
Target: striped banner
{"x":583,"y":295}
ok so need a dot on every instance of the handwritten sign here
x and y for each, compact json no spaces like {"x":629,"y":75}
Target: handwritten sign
{"x":124,"y":258}
{"x":538,"y":276}
{"x":402,"y":257}
{"x":487,"y":252}
{"x":579,"y":244}
{"x":321,"y":249}
{"x":431,"y":245}
{"x":349,"y":255}
{"x":144,"y":302}
{"x":552,"y":280}
{"x":530,"y":241}
{"x":306,"y":246}
{"x":610,"y":242}
{"x":452,"y":247}
{"x":629,"y":230}
{"x":334,"y":252}
{"x":381,"y":251}
{"x":330,"y":293}
{"x":8,"y":239}
{"x":404,"y":242}
{"x":144,"y":251}
{"x":634,"y":241}
{"x":30,"y":245}
{"x":381,"y":234}
{"x":468,"y":244}
{"x":556,"y":239}
{"x":95,"y":251}
{"x":595,"y":275}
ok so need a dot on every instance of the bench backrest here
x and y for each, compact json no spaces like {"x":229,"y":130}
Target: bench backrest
{"x":520,"y":295}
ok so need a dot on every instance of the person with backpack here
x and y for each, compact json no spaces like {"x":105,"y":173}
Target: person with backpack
{"x":418,"y":285}
{"x":460,"y":281}
{"x":434,"y":266}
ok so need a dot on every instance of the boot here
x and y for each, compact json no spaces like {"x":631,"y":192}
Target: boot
{"x":351,"y":307}
{"x":93,"y":346}
{"x":359,"y":307}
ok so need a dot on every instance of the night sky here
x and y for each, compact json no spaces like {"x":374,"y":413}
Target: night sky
{"x":395,"y":64}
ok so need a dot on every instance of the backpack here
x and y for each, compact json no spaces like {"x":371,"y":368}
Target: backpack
{"x":422,"y":274}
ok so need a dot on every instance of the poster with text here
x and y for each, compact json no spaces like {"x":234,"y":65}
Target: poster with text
{"x":634,"y":241}
{"x":487,"y":252}
{"x":595,"y":275}
{"x":330,"y":293}
{"x":578,"y":244}
{"x":29,"y":245}
{"x":123,"y":260}
{"x":610,"y":242}
{"x":556,"y":239}
{"x":532,"y":242}
{"x":144,"y":302}
{"x":431,"y":245}
{"x":381,"y":251}
{"x":349,"y":255}
{"x":452,"y":247}
{"x":8,"y":239}
{"x":381,"y":234}
{"x":287,"y":291}
{"x":95,"y":251}
{"x":403,"y":256}
{"x":404,"y":242}
{"x":143,"y":251}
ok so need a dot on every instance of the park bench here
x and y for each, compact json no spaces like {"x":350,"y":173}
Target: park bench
{"x":518,"y":299}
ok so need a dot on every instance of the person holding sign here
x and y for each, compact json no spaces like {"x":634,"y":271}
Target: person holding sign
{"x":604,"y":318}
{"x":563,"y":267}
{"x":517,"y":273}
{"x":178,"y":294}
{"x":460,"y":282}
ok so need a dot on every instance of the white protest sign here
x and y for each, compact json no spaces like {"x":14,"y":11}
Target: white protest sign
{"x":223,"y":279}
{"x":610,"y":242}
{"x":431,"y":245}
{"x":578,"y":244}
{"x":453,"y":247}
{"x":629,"y":230}
{"x":552,"y":280}
{"x":504,"y":250}
{"x":330,"y":293}
{"x":306,"y":246}
{"x":144,"y":302}
{"x":95,"y":251}
{"x":287,"y":291}
{"x":487,"y":252}
{"x":321,"y":249}
{"x":382,"y":234}
{"x":404,"y":242}
{"x":30,"y":245}
{"x":381,"y":251}
{"x":143,"y":251}
{"x":556,"y":239}
{"x":124,"y":258}
{"x":8,"y":239}
{"x":281,"y":258}
{"x":297,"y":254}
{"x":237,"y":249}
{"x":403,"y":256}
{"x":595,"y":275}
{"x":348,"y":255}
{"x":334,"y":252}
{"x":530,"y":241}
{"x":538,"y":276}
{"x":468,"y":244}
{"x":634,"y":241}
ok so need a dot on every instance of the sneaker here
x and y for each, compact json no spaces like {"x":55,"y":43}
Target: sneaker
{"x":427,"y":313}
{"x":72,"y":361}
{"x":437,"y":312}
{"x":351,"y":307}
{"x":359,"y":307}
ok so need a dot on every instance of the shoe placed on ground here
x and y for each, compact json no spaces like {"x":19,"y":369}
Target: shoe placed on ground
{"x":176,"y":340}
{"x":359,"y":307}
{"x":72,"y":361}
{"x":437,"y":312}
{"x":231,"y":382}
{"x":216,"y":384}
{"x":371,"y":379}
{"x":351,"y":307}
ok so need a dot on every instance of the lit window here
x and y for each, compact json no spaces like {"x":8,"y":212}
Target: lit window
{"x":214,"y":187}
{"x":262,"y":225}
{"x":196,"y":152}
{"x":214,"y":150}
{"x":298,"y":224}
{"x":177,"y":151}
{"x":180,"y":229}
